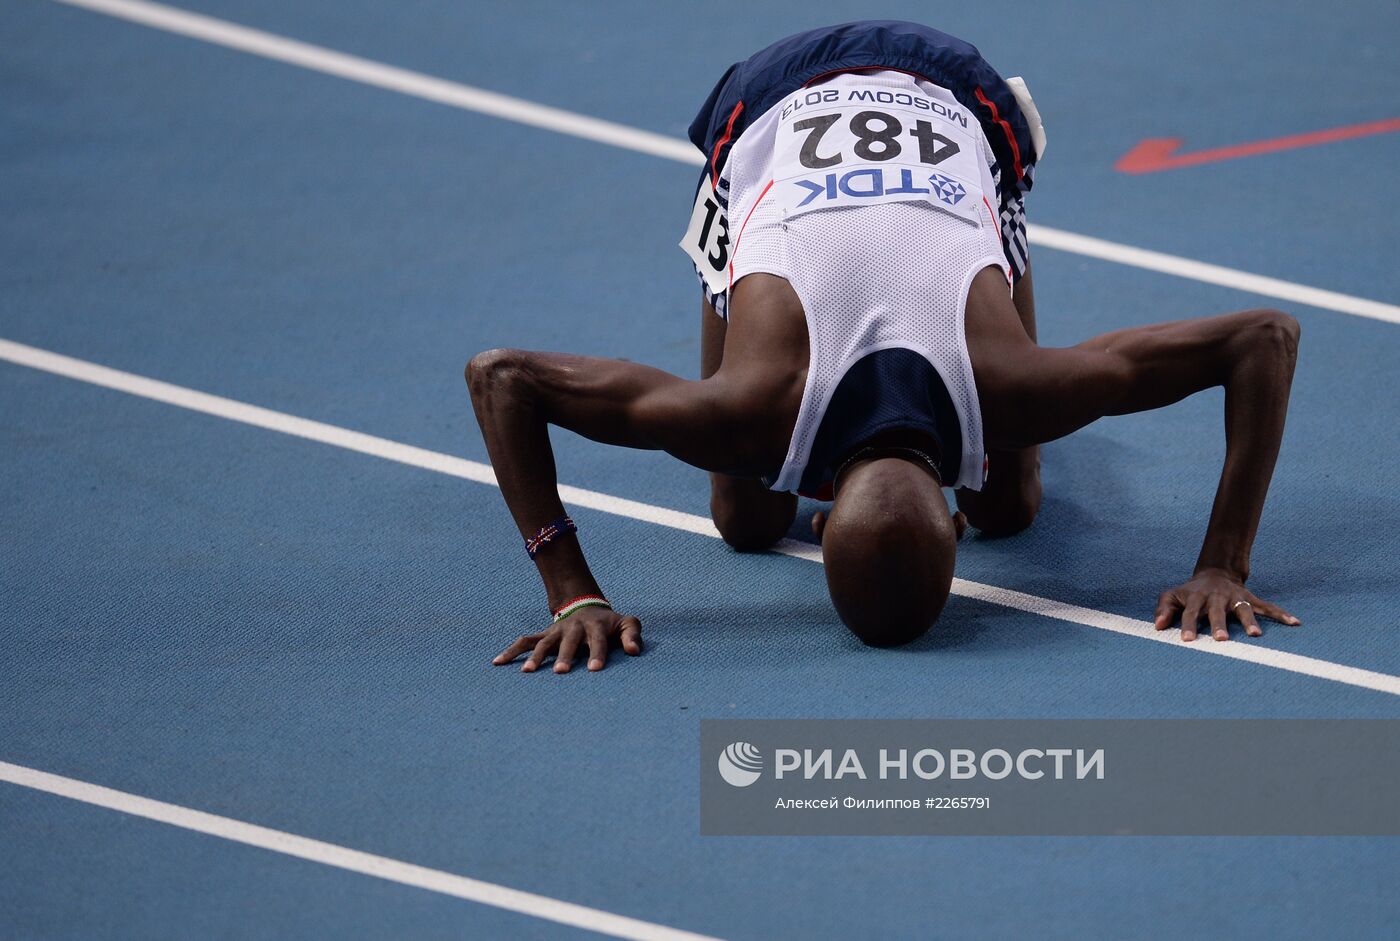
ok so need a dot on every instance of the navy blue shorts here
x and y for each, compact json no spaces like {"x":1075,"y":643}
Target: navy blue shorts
{"x":749,"y":88}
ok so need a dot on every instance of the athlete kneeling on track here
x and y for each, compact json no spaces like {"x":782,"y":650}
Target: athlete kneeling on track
{"x":868,"y":336}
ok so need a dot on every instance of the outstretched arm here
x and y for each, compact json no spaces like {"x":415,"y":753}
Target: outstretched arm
{"x":517,"y":395}
{"x":1045,"y":394}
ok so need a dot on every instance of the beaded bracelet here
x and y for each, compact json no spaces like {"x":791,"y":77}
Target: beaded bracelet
{"x":547,"y":534}
{"x":582,"y":601}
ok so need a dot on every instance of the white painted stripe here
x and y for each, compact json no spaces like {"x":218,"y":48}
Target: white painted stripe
{"x":341,"y":857}
{"x":1246,"y":650}
{"x":391,"y":78}
{"x":1212,"y":274}
{"x":339,"y":437}
{"x":454,"y":94}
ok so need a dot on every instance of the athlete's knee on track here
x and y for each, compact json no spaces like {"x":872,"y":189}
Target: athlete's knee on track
{"x":755,"y":524}
{"x":747,"y":534}
{"x":1006,"y":519}
{"x":1010,"y":497}
{"x":1009,"y":515}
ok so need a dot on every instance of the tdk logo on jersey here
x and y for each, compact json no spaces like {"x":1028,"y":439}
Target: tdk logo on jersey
{"x":947,"y":189}
{"x":868,"y":182}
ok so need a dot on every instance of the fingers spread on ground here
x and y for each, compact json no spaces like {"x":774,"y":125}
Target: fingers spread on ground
{"x":564,"y":659}
{"x":538,"y":655}
{"x":631,"y":635}
{"x":1274,"y":613}
{"x":1219,"y":620}
{"x":597,"y":648}
{"x":1167,"y":608}
{"x":1189,"y":617}
{"x":1245,"y":613}
{"x":521,"y":645}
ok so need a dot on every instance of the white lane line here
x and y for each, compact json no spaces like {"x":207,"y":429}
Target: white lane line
{"x":416,"y":84}
{"x":218,"y":406}
{"x":405,"y":81}
{"x":342,"y":857}
{"x":1211,"y":274}
{"x":1143,"y":630}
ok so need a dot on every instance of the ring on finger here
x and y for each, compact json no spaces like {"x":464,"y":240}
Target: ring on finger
{"x":1238,"y":603}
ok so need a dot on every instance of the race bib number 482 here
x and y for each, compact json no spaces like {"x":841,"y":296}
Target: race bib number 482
{"x":860,"y":146}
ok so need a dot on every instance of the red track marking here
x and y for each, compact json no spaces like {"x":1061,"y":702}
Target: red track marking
{"x":1156,"y":153}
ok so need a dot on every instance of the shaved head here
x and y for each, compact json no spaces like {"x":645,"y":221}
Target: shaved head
{"x":889,"y":545}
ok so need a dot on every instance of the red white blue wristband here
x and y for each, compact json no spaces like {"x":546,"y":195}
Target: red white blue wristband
{"x":582,"y":601}
{"x":547,"y":534}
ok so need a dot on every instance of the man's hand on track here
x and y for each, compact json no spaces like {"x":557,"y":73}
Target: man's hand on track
{"x":1220,"y":596}
{"x":597,"y":628}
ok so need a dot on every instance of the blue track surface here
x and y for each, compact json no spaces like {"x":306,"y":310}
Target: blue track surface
{"x":282,"y":632}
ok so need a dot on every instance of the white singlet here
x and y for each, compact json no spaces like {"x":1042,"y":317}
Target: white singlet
{"x":872,"y":194}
